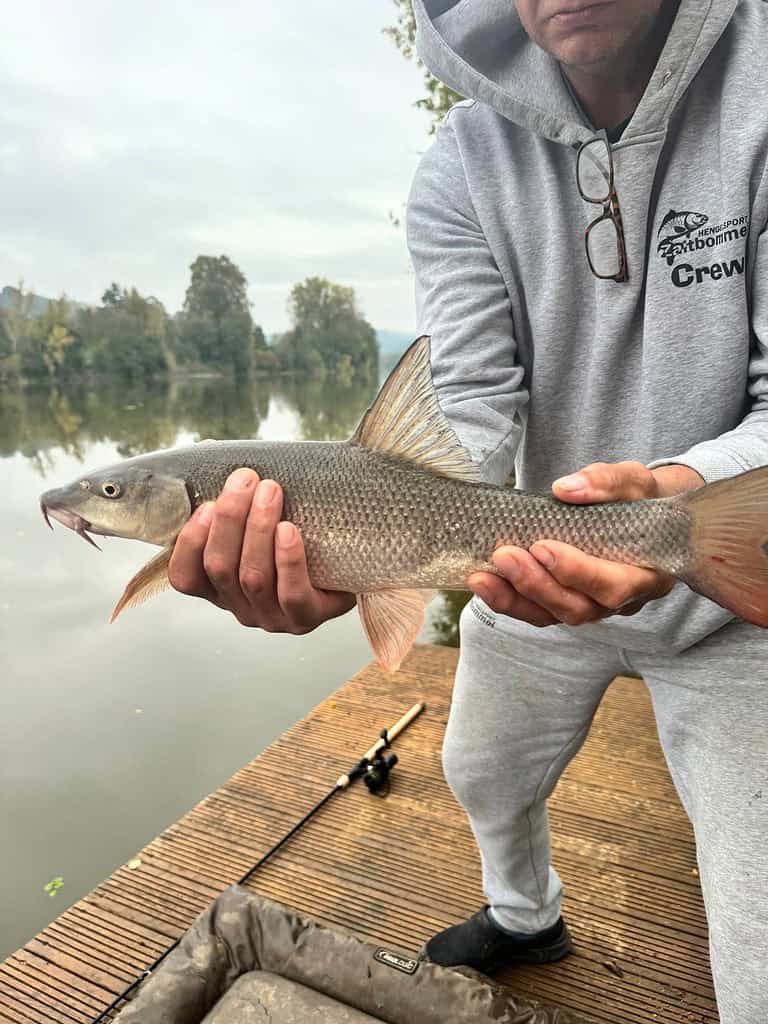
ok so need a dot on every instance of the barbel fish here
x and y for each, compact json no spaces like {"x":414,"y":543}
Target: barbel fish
{"x":399,"y":511}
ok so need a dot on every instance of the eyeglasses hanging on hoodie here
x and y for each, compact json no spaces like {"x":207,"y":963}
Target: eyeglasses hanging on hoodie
{"x":604,"y":238}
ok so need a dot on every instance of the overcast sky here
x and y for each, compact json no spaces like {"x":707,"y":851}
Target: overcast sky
{"x":134,"y":136}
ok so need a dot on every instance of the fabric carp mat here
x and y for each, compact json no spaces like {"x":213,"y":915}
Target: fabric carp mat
{"x":247,"y":960}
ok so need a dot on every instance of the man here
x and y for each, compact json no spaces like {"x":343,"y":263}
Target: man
{"x":644,"y":122}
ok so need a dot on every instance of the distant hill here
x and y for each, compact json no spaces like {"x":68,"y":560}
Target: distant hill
{"x":393,"y":343}
{"x":34,"y":304}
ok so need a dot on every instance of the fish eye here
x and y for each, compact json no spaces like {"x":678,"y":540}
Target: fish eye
{"x":110,"y":489}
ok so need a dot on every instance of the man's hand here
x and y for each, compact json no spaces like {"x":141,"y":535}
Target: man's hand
{"x":555,"y":582}
{"x":236,"y":553}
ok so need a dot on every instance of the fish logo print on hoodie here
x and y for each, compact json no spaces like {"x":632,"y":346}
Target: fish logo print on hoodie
{"x":676,"y":228}
{"x":682,"y":234}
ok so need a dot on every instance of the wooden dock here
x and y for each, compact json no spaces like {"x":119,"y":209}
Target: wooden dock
{"x":395,"y":870}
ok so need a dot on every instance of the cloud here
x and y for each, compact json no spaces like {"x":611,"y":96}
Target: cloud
{"x":134,"y":137}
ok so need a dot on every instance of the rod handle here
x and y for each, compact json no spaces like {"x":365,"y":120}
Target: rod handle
{"x":395,"y":730}
{"x":392,"y":733}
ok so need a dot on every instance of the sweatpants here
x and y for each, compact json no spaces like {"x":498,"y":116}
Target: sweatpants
{"x":523,"y":703}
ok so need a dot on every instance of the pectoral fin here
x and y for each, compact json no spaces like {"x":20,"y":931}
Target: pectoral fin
{"x":392,"y":620}
{"x":151,"y":579}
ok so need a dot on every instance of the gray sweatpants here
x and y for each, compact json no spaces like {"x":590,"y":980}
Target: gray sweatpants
{"x":523,"y":703}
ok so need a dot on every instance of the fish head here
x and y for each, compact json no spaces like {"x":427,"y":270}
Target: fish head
{"x":121,"y":501}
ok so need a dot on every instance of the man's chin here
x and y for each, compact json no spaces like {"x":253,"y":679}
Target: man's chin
{"x":586,"y":54}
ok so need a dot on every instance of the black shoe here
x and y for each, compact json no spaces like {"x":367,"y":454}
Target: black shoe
{"x":479,"y":943}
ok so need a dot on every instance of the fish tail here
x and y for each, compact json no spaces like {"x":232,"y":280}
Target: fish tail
{"x":729,"y":543}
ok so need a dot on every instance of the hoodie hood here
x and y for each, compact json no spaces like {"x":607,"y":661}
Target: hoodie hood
{"x":480,"y":49}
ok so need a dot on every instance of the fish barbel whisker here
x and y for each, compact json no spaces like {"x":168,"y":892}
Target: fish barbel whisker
{"x":71,"y":520}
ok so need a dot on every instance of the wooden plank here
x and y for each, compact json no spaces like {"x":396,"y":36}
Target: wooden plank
{"x":395,"y":870}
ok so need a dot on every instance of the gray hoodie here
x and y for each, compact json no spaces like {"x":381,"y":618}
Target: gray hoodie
{"x":538,"y":364}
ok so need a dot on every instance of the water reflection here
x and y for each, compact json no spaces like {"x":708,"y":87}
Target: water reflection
{"x":445,"y":617}
{"x":146,"y":416}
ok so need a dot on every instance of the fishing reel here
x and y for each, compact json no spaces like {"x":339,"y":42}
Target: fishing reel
{"x":376,"y":775}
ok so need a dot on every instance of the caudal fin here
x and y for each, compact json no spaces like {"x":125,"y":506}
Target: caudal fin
{"x":729,"y":541}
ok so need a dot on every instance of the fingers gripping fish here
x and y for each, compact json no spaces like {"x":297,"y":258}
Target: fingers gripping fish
{"x":399,"y":511}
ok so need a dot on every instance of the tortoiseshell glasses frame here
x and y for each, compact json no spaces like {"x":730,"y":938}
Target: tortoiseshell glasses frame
{"x":594,"y":180}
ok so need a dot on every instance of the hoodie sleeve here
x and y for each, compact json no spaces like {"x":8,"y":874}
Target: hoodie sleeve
{"x":746,"y":446}
{"x":462,"y":303}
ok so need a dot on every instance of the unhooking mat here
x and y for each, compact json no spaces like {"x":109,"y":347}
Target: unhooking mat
{"x":247,"y":960}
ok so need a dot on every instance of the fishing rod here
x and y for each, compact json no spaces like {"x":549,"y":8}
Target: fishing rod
{"x":373,"y":768}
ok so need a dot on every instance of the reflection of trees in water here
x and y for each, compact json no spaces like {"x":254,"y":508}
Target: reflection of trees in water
{"x":136,"y":416}
{"x":34,"y":421}
{"x":445,"y":620}
{"x":141,"y":416}
{"x":221,"y":408}
{"x":329,"y":411}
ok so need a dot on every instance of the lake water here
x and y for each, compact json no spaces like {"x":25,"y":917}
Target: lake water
{"x":110,"y":733}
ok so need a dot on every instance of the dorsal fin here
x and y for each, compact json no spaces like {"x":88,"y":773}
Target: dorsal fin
{"x":406,"y":420}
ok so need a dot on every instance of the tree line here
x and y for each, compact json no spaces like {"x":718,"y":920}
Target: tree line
{"x":134,"y":336}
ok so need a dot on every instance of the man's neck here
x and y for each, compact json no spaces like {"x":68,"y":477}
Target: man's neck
{"x":610,"y":92}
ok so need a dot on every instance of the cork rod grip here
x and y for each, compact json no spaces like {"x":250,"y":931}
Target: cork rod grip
{"x":392,"y":733}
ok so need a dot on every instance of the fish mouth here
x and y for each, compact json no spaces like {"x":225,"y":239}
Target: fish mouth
{"x":71,"y":520}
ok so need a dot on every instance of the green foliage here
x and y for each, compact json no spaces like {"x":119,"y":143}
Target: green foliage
{"x":14,"y":324}
{"x":131,"y":335}
{"x":53,"y":886}
{"x":259,"y":341}
{"x":328,"y":333}
{"x":216,"y":329}
{"x":50,"y":345}
{"x":112,"y":295}
{"x":6,"y":344}
{"x":218,"y":289}
{"x":439,"y":98}
{"x":266,"y":361}
{"x":127,"y":335}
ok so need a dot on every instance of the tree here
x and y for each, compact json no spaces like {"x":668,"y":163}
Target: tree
{"x":216,"y":327}
{"x":439,"y":98}
{"x":218,"y":289}
{"x":16,"y":315}
{"x":50,"y":344}
{"x":6,"y":345}
{"x":112,"y":296}
{"x":127,"y":335}
{"x":328,"y":333}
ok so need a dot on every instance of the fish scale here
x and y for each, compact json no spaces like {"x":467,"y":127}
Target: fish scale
{"x":362,"y":533}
